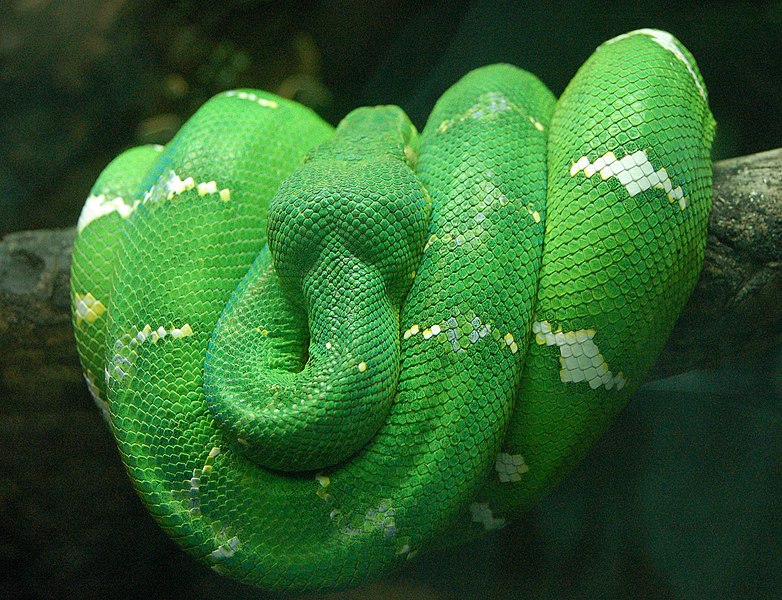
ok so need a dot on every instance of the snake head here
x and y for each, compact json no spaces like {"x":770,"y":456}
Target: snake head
{"x":356,"y":198}
{"x":346,"y":232}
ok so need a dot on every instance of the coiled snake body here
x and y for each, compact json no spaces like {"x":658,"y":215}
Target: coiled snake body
{"x":436,"y":331}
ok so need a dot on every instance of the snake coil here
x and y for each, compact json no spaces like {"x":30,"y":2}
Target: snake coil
{"x":321,"y":352}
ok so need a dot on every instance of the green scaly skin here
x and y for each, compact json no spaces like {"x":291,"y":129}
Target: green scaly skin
{"x":437,"y":330}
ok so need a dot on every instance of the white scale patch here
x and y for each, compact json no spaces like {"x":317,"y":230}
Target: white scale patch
{"x":197,"y":479}
{"x":226,"y":550}
{"x":98,"y":206}
{"x":634,"y":171}
{"x":667,"y":41}
{"x":126,"y":347}
{"x":454,"y":334}
{"x":174,"y":185}
{"x":322,"y":491}
{"x":487,"y":104}
{"x":455,"y":235}
{"x":510,"y":342}
{"x":510,"y":467}
{"x":534,"y":214}
{"x":252,"y":98}
{"x":381,"y":517}
{"x":102,"y":404}
{"x":479,"y":331}
{"x":580,"y":358}
{"x":481,"y":513}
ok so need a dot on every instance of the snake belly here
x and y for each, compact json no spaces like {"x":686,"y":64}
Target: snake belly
{"x":322,"y":352}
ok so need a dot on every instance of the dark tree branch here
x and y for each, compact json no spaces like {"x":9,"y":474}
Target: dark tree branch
{"x":734,"y":313}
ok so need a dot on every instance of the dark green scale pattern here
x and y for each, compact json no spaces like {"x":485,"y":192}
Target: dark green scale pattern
{"x":345,"y":231}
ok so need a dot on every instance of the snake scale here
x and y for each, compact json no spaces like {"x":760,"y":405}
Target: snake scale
{"x":322,"y":352}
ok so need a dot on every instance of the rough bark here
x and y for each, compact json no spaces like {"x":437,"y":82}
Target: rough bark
{"x":734,"y":313}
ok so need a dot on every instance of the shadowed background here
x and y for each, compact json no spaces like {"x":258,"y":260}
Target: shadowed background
{"x":679,"y":500}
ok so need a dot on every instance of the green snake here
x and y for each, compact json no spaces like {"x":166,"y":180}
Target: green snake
{"x":322,"y":352}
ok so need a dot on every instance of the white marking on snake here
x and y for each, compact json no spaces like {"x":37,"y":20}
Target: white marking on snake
{"x":382,"y":517}
{"x":453,"y":334}
{"x":196,"y":480}
{"x":174,"y":185}
{"x":88,"y":308}
{"x":125,"y":348}
{"x":226,"y":549}
{"x":431,"y":331}
{"x":634,"y":171}
{"x":479,"y":330}
{"x":206,"y":187}
{"x":452,"y":331}
{"x":252,"y":98}
{"x":210,"y":187}
{"x":510,"y":467}
{"x":98,"y":206}
{"x":667,"y":41}
{"x":481,"y":513}
{"x":489,"y":103}
{"x":102,"y":404}
{"x":579,"y":358}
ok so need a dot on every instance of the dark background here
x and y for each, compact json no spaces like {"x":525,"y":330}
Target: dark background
{"x":680,"y":500}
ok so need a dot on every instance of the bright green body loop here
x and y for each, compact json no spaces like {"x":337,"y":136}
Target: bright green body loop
{"x":324,"y":352}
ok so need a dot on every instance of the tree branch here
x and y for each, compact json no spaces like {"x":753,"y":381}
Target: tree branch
{"x":734,"y":313}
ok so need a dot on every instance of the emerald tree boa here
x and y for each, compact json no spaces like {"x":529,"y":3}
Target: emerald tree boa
{"x":324,"y":352}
